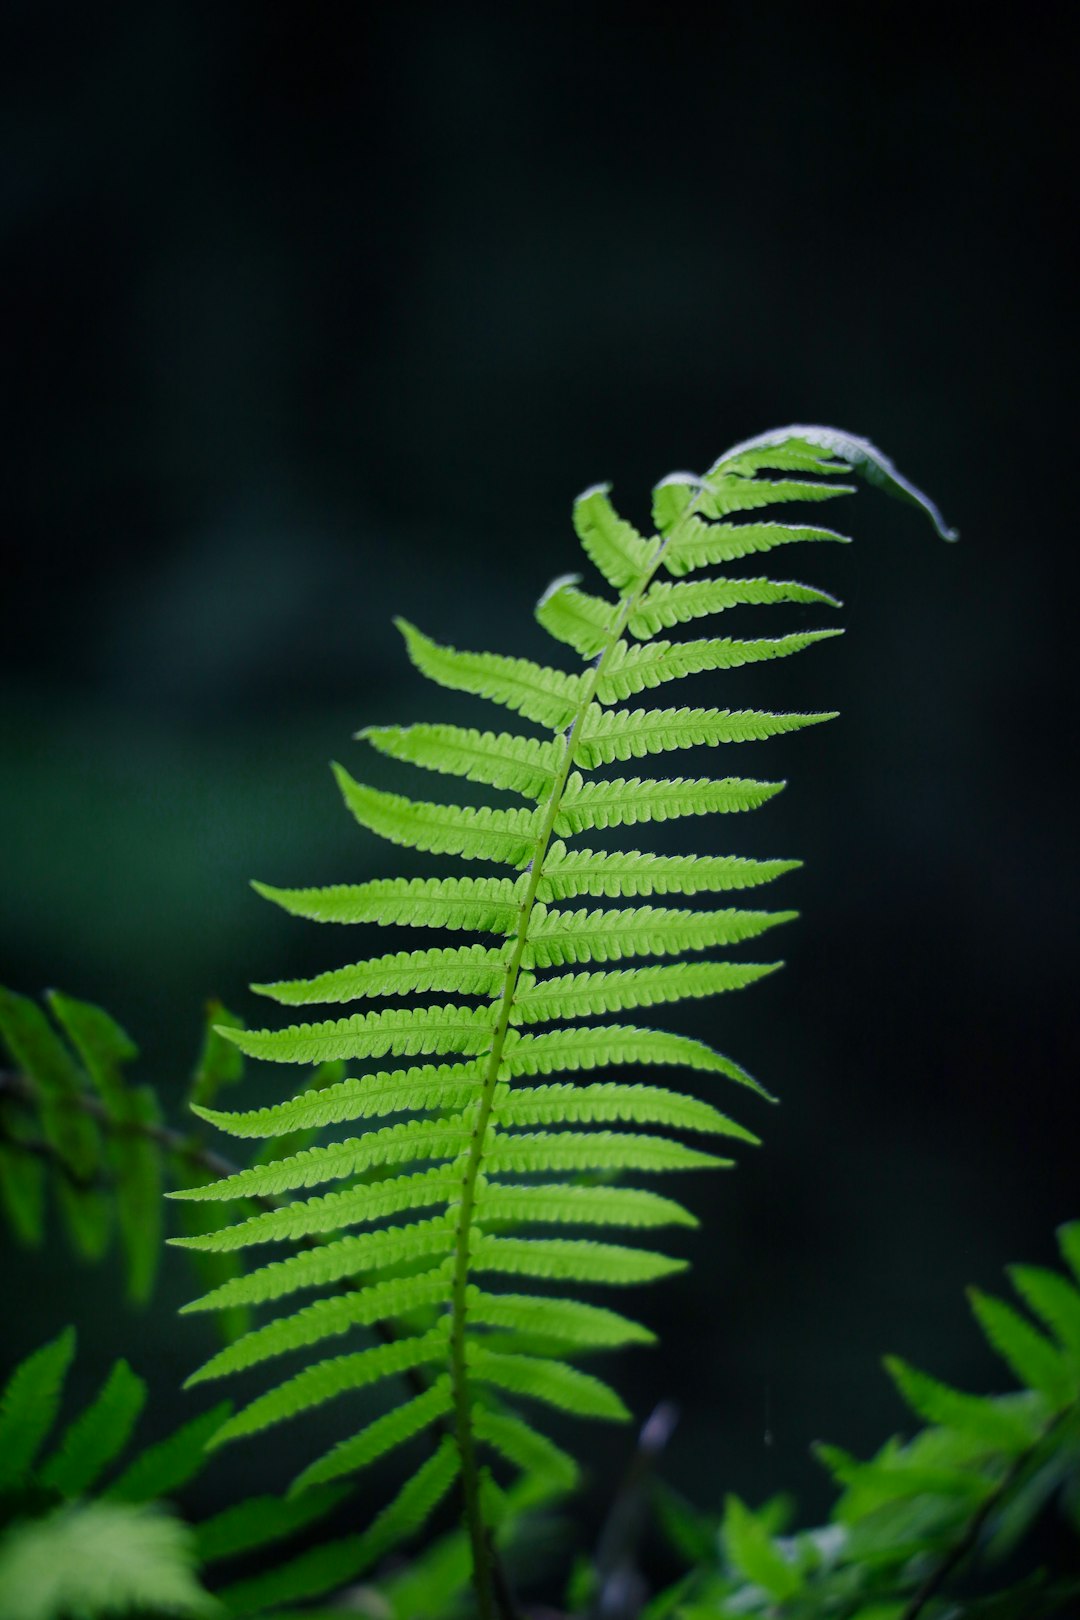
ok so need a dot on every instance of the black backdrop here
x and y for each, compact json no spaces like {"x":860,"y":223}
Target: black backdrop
{"x":319,"y":313}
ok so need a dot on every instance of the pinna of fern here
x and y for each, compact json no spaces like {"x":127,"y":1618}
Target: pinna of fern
{"x":493,"y":1146}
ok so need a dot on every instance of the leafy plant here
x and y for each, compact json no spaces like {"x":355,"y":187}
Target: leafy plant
{"x":501,"y":1140}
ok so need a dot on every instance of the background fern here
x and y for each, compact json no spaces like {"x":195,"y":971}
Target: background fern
{"x":479,"y":1115}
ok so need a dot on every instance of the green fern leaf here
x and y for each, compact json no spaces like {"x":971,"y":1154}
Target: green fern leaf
{"x":1068,"y":1237}
{"x":562,"y":938}
{"x":665,"y":605}
{"x":165,"y":1468}
{"x":261,"y":1521}
{"x":330,"y":1262}
{"x":611,"y":734}
{"x":1053,"y":1299}
{"x":484,"y":905}
{"x":611,"y":544}
{"x":507,"y":836}
{"x":560,"y":1151}
{"x":40,"y":1054}
{"x":98,"y":1436}
{"x":724,"y":493}
{"x":521,"y":1445}
{"x":638,"y":668}
{"x":998,"y":1429}
{"x":574,"y":617}
{"x":403,"y":1031}
{"x":752,"y":1551}
{"x":22,"y":1178}
{"x":548,"y":696}
{"x":447,"y":1085}
{"x":1033,"y":1359}
{"x":624,"y":801}
{"x":384,"y":1435}
{"x":611,"y":1102}
{"x":626,"y":874}
{"x":578,"y":1205}
{"x":521,"y":764}
{"x":584,"y":1325}
{"x":572,"y":1260}
{"x":326,"y":1380}
{"x":592,"y":994}
{"x":471,"y":970}
{"x":703,"y":545}
{"x":394,"y":1144}
{"x":552,"y":1382}
{"x":588,"y":1047}
{"x":331,"y":1212}
{"x":29,"y":1404}
{"x":325,"y":1319}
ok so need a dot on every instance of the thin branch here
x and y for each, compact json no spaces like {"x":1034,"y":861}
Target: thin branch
{"x":618,"y":1597}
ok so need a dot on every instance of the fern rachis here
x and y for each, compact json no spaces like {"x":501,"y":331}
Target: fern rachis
{"x":483,"y":1108}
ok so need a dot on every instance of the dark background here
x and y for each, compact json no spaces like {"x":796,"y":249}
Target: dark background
{"x":315,"y":314}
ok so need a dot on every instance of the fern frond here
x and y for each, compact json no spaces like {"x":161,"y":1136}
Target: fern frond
{"x":165,"y":1468}
{"x":627,"y":874}
{"x":590,"y":1326}
{"x":592,"y":994}
{"x":29,"y":1404}
{"x":572,"y":1260}
{"x":403,"y":1031}
{"x":998,"y":1428}
{"x":336,"y":1211}
{"x":555,"y":1205}
{"x":394,"y":1091}
{"x":611,"y":734}
{"x":483,"y":905}
{"x":639,"y":667}
{"x":724,"y":493}
{"x":612,"y":1102}
{"x":469,"y":970}
{"x":325,"y":1319}
{"x":575,"y":618}
{"x":561,"y":938}
{"x":326,"y":1380}
{"x":599,"y":1046}
{"x":261,"y":1521}
{"x":522,"y":1445}
{"x":624,"y":801}
{"x":703,"y":545}
{"x":522,"y":764}
{"x":330,"y":1262}
{"x":553,"y":1382}
{"x":538,"y":1152}
{"x":507,"y":836}
{"x":1056,"y":1301}
{"x":665,"y":605}
{"x":612,"y":545}
{"x":97,"y":1436}
{"x":1031,"y":1357}
{"x":385,"y":1434}
{"x":548,"y":696}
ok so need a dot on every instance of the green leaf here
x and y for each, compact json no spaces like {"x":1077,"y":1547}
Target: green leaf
{"x":261,"y":1521}
{"x":624,"y":801}
{"x":703,"y":545}
{"x":165,"y":1468}
{"x":385,"y":1434}
{"x":101,"y":1044}
{"x":621,"y":875}
{"x":220,"y":1063}
{"x":561,"y":938}
{"x":29,"y":1404}
{"x":610,"y":1101}
{"x":637,"y":668}
{"x":998,"y":1429}
{"x":485,"y":905}
{"x":571,"y":1260}
{"x":1032,"y":1358}
{"x":612,"y":545}
{"x":861,"y":456}
{"x":22,"y":1177}
{"x":445,"y":1085}
{"x":1069,"y":1242}
{"x":507,"y":836}
{"x":1052,"y":1298}
{"x":521,"y":764}
{"x":404,"y":1031}
{"x":528,"y":1450}
{"x":98,"y":1436}
{"x":665,"y":605}
{"x":586,"y":1326}
{"x":471,"y":970}
{"x":43,"y":1058}
{"x":591,"y":1047}
{"x":553,"y":1382}
{"x":100,"y":1558}
{"x":611,"y":734}
{"x":593,"y":994}
{"x":578,"y":1205}
{"x":548,"y":696}
{"x":539,"y":1152}
{"x":572,"y":616}
{"x":754,"y":1554}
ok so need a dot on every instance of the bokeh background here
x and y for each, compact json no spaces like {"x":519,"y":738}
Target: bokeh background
{"x":315,"y":314}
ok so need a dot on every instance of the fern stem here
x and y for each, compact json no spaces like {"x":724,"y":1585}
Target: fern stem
{"x":470,"y":1475}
